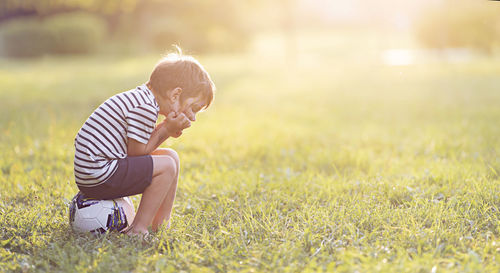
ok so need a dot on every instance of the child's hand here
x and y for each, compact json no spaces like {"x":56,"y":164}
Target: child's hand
{"x":175,"y":123}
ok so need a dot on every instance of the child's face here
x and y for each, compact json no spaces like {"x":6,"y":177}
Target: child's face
{"x":190,"y":107}
{"x":172,"y":103}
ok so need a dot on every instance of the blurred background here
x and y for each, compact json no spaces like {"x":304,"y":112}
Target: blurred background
{"x":365,"y":131}
{"x":388,"y":30}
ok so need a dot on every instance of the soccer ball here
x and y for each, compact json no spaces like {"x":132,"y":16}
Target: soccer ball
{"x":100,"y":216}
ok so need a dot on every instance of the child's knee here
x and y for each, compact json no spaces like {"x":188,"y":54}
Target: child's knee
{"x":174,"y":155}
{"x":165,"y":173}
{"x":170,"y":152}
{"x":164,"y":166}
{"x":169,"y":165}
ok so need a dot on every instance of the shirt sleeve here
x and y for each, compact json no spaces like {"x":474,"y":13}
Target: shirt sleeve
{"x":141,"y":122}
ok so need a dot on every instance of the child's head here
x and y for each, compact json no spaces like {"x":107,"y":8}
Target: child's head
{"x":184,"y":72}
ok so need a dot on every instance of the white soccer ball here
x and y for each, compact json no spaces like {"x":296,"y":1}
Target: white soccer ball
{"x":100,"y":216}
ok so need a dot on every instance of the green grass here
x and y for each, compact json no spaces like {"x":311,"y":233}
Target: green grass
{"x":335,"y":164}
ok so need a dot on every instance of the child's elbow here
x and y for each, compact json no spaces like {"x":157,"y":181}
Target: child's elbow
{"x":135,"y":148}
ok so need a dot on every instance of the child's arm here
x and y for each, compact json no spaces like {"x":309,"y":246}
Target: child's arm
{"x":172,"y":126}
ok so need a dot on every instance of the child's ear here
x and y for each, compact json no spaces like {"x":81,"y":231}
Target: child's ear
{"x":175,"y":94}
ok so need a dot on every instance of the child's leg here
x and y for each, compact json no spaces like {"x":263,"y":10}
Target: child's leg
{"x":165,"y":210}
{"x":164,"y":176}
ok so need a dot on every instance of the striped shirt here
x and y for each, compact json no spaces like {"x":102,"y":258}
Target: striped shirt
{"x":102,"y":140}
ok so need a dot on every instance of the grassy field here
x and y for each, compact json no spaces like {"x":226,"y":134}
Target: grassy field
{"x":331,"y":161}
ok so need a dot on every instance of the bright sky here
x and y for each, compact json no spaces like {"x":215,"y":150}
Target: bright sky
{"x":398,"y":13}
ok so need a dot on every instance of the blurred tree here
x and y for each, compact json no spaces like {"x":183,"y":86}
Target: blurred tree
{"x":193,"y":24}
{"x":290,"y":30}
{"x":110,"y":10}
{"x":13,"y":8}
{"x":198,"y":25}
{"x":66,"y":33}
{"x":461,"y":24}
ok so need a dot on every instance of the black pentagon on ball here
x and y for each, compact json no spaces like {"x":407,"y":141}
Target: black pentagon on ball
{"x":82,"y":201}
{"x":117,"y":220}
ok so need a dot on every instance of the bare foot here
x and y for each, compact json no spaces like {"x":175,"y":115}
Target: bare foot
{"x":164,"y":225}
{"x":132,"y":231}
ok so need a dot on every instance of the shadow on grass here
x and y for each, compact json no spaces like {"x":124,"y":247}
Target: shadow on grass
{"x":68,"y":251}
{"x":36,"y":237}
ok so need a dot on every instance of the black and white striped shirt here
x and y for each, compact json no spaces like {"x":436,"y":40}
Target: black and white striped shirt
{"x":102,"y":140}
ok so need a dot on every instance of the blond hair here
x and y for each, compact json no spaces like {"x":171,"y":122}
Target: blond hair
{"x":177,"y":70}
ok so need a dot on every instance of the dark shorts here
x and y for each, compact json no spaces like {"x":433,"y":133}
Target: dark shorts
{"x":133,"y":175}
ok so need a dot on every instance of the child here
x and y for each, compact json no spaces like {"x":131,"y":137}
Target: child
{"x":117,"y":150}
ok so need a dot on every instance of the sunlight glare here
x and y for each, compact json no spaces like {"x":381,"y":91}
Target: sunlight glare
{"x":398,"y":57}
